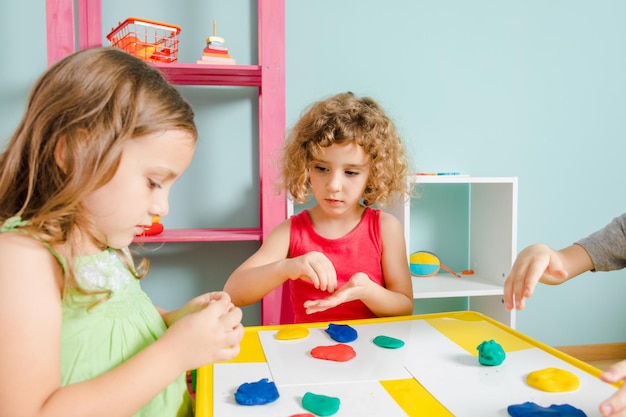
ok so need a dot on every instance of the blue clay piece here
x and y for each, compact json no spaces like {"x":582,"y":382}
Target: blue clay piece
{"x":341,"y":333}
{"x":490,"y":353}
{"x":530,"y":409}
{"x":320,"y":405}
{"x":256,"y":393}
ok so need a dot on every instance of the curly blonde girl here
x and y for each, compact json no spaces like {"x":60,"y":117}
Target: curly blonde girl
{"x":341,"y":119}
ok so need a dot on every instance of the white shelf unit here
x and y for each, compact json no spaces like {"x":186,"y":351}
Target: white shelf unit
{"x":470,"y":223}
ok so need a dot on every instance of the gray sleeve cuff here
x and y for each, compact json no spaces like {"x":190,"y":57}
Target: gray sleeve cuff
{"x":607,"y":246}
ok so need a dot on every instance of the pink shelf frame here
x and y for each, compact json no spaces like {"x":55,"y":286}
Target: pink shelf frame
{"x":268,"y":77}
{"x":218,"y":75}
{"x":203,"y":235}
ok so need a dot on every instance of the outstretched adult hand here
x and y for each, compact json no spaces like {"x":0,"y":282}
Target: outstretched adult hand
{"x":536,"y":262}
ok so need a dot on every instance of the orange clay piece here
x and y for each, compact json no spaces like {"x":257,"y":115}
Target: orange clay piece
{"x":153,"y":229}
{"x":467,"y":272}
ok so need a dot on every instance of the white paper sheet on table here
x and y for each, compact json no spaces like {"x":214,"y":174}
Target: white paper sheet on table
{"x":367,"y":398}
{"x":290,"y":361}
{"x":467,"y":388}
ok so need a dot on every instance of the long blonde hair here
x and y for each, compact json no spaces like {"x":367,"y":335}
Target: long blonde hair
{"x":94,"y":100}
{"x":343,"y":118}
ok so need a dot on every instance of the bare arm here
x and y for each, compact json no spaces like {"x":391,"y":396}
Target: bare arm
{"x":30,"y":317}
{"x":269,"y":267}
{"x":539,"y":263}
{"x":263,"y":271}
{"x":396,"y":298}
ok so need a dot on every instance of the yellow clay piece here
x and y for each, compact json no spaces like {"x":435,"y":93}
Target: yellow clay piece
{"x":292,"y":332}
{"x":553,"y":380}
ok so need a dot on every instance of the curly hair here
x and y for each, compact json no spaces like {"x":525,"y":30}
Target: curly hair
{"x":341,"y":119}
{"x":93,"y":101}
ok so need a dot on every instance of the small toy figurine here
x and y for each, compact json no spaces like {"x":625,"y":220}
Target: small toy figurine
{"x":216,"y":51}
{"x":154,"y":229}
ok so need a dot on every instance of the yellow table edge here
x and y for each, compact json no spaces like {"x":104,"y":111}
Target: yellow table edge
{"x":251,"y":351}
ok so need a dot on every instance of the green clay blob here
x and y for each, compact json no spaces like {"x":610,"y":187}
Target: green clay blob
{"x":490,"y":353}
{"x":388,"y":342}
{"x":320,"y":405}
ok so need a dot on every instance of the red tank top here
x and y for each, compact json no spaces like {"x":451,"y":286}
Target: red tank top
{"x":358,"y":251}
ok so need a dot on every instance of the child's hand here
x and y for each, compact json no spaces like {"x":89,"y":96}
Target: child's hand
{"x":616,"y":405}
{"x":314,"y":267}
{"x":536,"y":262}
{"x":351,"y":290}
{"x":193,"y":305}
{"x":209,"y":332}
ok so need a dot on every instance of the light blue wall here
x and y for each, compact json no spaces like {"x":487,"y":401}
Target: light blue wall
{"x":532,"y":89}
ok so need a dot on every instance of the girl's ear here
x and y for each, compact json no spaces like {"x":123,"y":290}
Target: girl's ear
{"x":59,"y":152}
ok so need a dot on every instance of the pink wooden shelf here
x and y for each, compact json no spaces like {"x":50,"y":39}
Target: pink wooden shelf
{"x":203,"y":235}
{"x":69,"y":21}
{"x":217,"y":75}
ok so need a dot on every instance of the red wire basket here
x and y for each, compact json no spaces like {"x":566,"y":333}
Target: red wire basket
{"x":147,"y":39}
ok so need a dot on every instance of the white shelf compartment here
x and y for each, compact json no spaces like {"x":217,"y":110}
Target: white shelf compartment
{"x":444,"y":285}
{"x":472,"y":224}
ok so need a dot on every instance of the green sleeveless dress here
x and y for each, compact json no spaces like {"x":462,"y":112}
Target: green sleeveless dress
{"x":97,"y":339}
